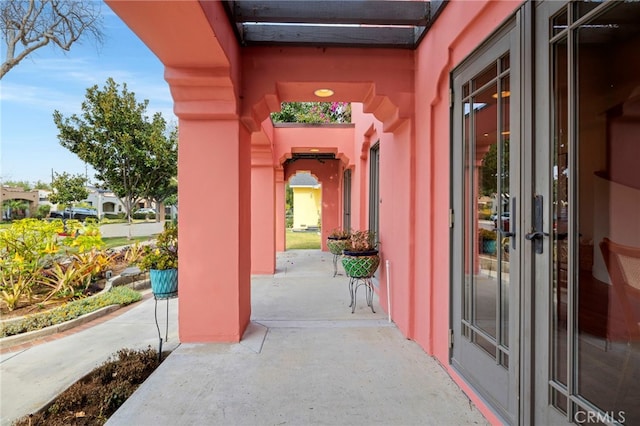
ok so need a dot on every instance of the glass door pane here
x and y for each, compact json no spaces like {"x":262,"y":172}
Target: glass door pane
{"x":487,"y":209}
{"x":594,"y":293}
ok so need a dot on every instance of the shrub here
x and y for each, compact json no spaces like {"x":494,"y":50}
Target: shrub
{"x":338,"y":233}
{"x":362,"y":241}
{"x":115,"y":215}
{"x":487,"y":235}
{"x":43,"y":211}
{"x":164,"y":254}
{"x":484,"y":215}
{"x":137,"y":215}
{"x":117,"y":296}
{"x":33,"y":253}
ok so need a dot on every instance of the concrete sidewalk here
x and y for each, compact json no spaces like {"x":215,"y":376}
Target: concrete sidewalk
{"x":304,"y":360}
{"x":31,"y":377}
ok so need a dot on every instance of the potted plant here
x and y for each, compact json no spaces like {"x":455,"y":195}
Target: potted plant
{"x":487,"y":241}
{"x":161,"y":259}
{"x":337,"y":241}
{"x":360,"y":259}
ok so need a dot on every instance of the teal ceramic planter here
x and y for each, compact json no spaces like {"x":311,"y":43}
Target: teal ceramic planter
{"x":164,"y":283}
{"x":489,"y":246}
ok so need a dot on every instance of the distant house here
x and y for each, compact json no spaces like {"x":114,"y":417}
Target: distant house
{"x":307,"y":202}
{"x":105,"y":201}
{"x":28,"y":199}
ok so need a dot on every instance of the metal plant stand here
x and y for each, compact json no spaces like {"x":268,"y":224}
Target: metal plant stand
{"x":335,"y":264}
{"x":166,"y":331}
{"x":354,"y":283}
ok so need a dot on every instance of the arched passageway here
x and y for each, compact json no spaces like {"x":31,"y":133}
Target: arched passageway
{"x":223,"y":97}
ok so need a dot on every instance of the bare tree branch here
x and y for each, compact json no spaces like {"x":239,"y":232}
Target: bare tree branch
{"x":28,"y":25}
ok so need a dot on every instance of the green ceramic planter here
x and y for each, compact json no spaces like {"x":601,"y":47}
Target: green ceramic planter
{"x":336,"y":245}
{"x":360,"y":264}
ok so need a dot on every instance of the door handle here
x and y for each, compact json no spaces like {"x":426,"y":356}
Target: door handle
{"x":507,"y":234}
{"x":538,"y":234}
{"x":511,"y":233}
{"x":534,"y":235}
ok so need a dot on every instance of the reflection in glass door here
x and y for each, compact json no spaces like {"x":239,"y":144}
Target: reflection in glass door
{"x":484,"y":247}
{"x":593,"y":298}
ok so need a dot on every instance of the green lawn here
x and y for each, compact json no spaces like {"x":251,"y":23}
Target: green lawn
{"x":302,"y":240}
{"x":111,"y":242}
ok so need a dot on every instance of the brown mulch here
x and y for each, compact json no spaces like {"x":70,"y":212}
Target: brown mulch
{"x":95,"y":397}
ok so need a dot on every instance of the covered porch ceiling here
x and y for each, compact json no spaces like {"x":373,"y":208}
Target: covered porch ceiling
{"x":397,"y":24}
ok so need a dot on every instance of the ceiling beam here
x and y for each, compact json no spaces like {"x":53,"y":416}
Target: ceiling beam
{"x":399,"y":37}
{"x":370,"y":12}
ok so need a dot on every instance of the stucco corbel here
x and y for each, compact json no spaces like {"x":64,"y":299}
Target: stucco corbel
{"x":202,"y":93}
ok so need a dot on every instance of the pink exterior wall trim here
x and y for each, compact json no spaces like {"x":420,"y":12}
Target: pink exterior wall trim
{"x":456,"y":33}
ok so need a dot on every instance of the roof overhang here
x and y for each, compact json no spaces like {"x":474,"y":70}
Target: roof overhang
{"x":324,"y":23}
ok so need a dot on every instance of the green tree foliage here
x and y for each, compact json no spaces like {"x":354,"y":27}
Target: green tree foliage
{"x":28,"y":25}
{"x":133,"y":156}
{"x":489,"y":171}
{"x":161,"y":184}
{"x":288,"y":198}
{"x":68,"y":189}
{"x":288,"y":206}
{"x":26,"y":186}
{"x":42,"y":185}
{"x":313,"y":112}
{"x":14,"y":207}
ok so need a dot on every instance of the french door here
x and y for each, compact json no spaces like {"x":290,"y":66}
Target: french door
{"x":546,"y":207}
{"x":486,"y":237}
{"x":587,"y":181}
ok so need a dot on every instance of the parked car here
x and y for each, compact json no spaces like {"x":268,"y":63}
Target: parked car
{"x":146,"y":210}
{"x":78,"y":213}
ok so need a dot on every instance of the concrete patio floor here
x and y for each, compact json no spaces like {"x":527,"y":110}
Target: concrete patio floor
{"x":305,"y":359}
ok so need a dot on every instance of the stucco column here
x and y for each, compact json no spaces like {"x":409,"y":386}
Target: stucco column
{"x":281,"y":226}
{"x":263,"y":213}
{"x":214,"y":171}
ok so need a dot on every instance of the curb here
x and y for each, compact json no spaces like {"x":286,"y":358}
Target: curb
{"x":18,"y":339}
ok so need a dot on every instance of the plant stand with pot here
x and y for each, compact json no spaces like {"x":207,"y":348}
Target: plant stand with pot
{"x":336,"y":245}
{"x":164,"y":285}
{"x":360,"y":267}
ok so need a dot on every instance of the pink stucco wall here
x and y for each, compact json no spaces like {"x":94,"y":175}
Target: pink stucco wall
{"x":222,"y":90}
{"x":215,"y":255}
{"x":457,"y":32}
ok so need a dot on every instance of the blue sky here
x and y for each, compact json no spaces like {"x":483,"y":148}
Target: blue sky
{"x":50,"y":79}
